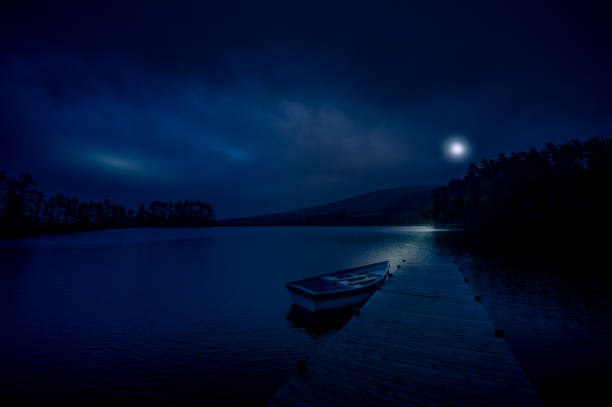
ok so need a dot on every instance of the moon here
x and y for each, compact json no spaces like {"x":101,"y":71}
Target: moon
{"x":456,"y":148}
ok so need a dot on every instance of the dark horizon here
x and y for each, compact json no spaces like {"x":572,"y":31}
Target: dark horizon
{"x":267,"y":108}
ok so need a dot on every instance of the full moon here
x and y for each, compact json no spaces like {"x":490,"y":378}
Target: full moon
{"x":456,"y":148}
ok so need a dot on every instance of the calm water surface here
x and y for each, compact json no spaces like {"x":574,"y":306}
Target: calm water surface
{"x":193,"y":316}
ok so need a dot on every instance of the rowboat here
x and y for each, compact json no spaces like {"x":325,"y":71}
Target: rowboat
{"x":345,"y":288}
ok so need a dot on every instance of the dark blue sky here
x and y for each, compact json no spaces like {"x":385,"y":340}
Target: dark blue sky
{"x":258,"y":107}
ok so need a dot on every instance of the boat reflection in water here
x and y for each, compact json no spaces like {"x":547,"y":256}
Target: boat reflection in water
{"x":316,"y":323}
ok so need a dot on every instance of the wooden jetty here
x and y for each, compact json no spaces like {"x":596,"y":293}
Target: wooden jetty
{"x":422,"y":340}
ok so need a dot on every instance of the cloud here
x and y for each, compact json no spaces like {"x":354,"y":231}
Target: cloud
{"x":259,"y":111}
{"x":118,"y":162}
{"x":233,"y":153}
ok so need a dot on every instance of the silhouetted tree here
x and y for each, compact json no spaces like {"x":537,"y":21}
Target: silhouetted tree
{"x":560,"y":184}
{"x":24,"y":210}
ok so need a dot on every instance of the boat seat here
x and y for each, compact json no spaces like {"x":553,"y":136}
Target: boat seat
{"x":349,"y":277}
{"x":362,"y":281}
{"x":355,"y":282}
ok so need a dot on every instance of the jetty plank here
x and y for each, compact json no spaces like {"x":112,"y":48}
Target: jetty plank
{"x":422,"y":340}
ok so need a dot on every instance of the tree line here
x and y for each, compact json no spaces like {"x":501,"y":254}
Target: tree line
{"x":24,"y":210}
{"x":564,"y":186}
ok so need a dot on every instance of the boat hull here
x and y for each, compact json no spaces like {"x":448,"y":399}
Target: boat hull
{"x":330,"y":303}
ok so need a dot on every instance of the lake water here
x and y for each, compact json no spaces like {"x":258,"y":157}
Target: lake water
{"x":194,"y":316}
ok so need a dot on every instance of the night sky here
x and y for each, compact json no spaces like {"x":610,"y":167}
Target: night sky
{"x":259,"y":107}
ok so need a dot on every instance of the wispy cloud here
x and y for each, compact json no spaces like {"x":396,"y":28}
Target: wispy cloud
{"x":118,"y":163}
{"x":105,"y":121}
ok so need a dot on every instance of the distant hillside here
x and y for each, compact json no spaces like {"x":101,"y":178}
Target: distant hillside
{"x":402,"y":205}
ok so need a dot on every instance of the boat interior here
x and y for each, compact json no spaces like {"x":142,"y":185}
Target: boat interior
{"x":339,"y":281}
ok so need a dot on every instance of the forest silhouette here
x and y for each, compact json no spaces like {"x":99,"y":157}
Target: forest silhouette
{"x":549,"y":192}
{"x":551,"y":205}
{"x":26,"y":211}
{"x":560,"y":185}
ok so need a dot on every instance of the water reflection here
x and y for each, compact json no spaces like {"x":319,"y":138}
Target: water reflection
{"x":200,"y":315}
{"x":318,"y":323}
{"x":557,"y":317}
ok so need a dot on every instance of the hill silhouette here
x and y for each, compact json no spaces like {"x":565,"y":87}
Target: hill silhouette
{"x":401,"y":205}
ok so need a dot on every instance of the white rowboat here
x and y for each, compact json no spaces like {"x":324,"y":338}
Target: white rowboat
{"x":345,"y":288}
